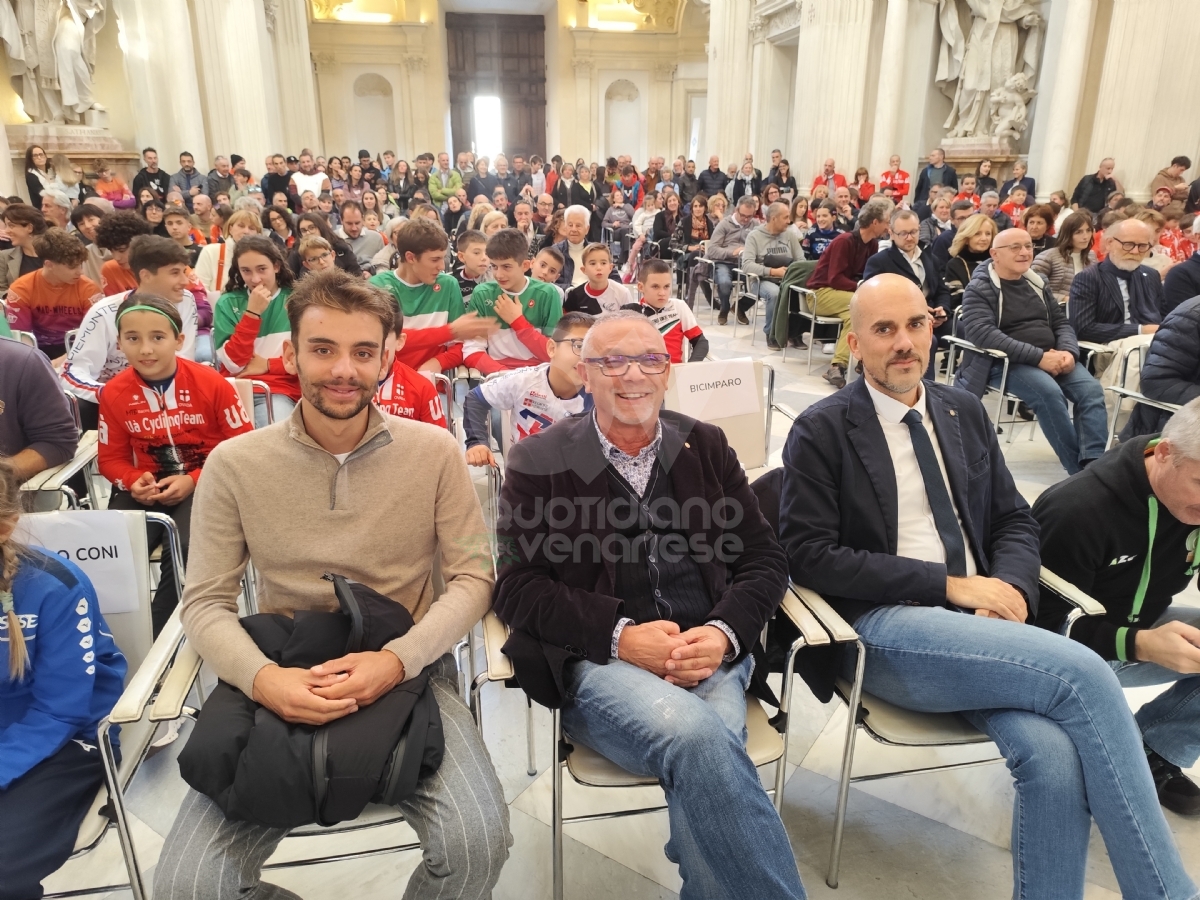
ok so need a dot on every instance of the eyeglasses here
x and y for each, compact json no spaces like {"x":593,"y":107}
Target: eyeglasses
{"x":321,"y":257}
{"x":614,"y":366}
{"x":576,"y":345}
{"x":1131,"y":247}
{"x":1028,"y":247}
{"x":907,"y":234}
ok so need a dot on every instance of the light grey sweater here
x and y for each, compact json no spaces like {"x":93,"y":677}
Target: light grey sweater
{"x":760,"y":244}
{"x":402,"y":497}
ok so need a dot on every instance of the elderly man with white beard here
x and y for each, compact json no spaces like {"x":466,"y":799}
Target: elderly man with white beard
{"x":1119,"y":298}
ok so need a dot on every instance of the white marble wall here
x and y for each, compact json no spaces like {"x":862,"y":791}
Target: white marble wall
{"x":1114,"y":81}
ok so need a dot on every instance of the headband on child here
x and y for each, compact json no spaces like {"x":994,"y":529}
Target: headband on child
{"x":142,"y":308}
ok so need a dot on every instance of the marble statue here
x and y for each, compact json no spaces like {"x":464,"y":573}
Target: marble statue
{"x":51,"y":47}
{"x":977,"y":70}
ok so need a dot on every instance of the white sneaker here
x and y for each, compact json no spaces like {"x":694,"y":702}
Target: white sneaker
{"x":828,"y":349}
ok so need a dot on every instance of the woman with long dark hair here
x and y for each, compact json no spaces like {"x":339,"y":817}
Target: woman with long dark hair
{"x":343,"y":255}
{"x":250,"y":324}
{"x":693,"y":230}
{"x":39,"y":174}
{"x":278,"y":225}
{"x":663,"y":227}
{"x":1070,"y":255}
{"x":355,"y":183}
{"x":453,"y":213}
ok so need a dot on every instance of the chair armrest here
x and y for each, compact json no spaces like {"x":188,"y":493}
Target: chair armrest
{"x":810,"y":629}
{"x":1092,"y":347}
{"x":180,"y":678}
{"x":495,"y":633}
{"x":1070,"y":593}
{"x":141,"y":686}
{"x":967,"y":345}
{"x":54,"y":478}
{"x":1142,"y":398}
{"x":839,"y":629}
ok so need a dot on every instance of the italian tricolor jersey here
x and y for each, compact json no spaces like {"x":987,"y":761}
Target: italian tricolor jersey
{"x":674,"y":322}
{"x":238,"y":338}
{"x":428,"y":311}
{"x":410,"y":395}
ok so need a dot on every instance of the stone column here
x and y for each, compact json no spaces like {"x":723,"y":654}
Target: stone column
{"x":586,"y":142}
{"x":160,"y":68}
{"x":727,"y":128}
{"x":294,"y":71}
{"x":885,"y":136}
{"x":829,"y":107}
{"x":1062,"y":113}
{"x":333,"y":96}
{"x":236,"y":103}
{"x":1145,"y":111}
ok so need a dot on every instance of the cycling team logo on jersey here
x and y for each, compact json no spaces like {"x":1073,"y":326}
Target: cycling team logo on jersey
{"x":529,"y":423}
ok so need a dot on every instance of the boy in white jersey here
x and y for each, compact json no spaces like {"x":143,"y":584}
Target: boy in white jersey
{"x":599,"y":294}
{"x":537,"y":396}
{"x":161,"y":268}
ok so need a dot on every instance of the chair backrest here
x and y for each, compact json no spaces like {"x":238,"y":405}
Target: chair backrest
{"x":111,"y":548}
{"x":734,"y":394}
{"x":245,"y":392}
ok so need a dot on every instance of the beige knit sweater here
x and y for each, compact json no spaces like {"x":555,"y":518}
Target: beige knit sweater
{"x":275,"y":496}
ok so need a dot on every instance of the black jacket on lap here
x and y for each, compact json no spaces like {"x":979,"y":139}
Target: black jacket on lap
{"x":258,"y":768}
{"x":1171,"y":372}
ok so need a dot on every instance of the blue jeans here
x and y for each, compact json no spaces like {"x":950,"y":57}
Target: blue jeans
{"x":1047,"y":396}
{"x":723,"y":276}
{"x":1056,"y":711}
{"x":204,"y":348}
{"x":281,"y":407}
{"x":726,"y":837}
{"x":1170,"y":723}
{"x":769,"y":291}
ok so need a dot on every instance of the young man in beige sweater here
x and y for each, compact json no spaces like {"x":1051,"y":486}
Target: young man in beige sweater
{"x":341,"y":487}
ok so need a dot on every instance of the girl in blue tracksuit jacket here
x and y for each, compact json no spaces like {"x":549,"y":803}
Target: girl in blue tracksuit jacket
{"x":60,"y":674}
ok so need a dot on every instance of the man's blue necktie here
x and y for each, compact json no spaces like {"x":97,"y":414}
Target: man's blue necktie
{"x":939,"y":496}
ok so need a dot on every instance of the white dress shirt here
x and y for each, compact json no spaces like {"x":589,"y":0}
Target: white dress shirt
{"x":916,"y":531}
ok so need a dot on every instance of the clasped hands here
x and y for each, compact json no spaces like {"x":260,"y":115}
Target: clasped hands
{"x":329,"y":691}
{"x":990,"y":598}
{"x":682,"y":658}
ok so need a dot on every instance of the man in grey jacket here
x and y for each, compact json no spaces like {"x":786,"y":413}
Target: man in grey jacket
{"x":725,"y":248}
{"x":767,"y":247}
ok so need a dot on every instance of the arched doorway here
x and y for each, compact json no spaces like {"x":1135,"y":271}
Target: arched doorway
{"x":624,"y":119}
{"x":374,"y":114}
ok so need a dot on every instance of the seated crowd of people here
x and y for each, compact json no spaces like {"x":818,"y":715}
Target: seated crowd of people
{"x":636,"y":565}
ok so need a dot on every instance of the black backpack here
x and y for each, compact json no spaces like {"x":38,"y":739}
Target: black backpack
{"x":258,"y":768}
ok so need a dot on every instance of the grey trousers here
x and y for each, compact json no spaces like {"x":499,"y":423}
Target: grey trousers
{"x":459,"y":815}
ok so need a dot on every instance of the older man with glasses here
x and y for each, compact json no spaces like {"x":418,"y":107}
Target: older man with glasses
{"x":1008,"y":307}
{"x":1120,"y":298}
{"x":637,"y":574}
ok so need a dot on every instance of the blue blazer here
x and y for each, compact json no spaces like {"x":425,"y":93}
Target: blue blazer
{"x":839,"y":508}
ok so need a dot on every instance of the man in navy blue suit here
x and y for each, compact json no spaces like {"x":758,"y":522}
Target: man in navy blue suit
{"x":897,"y":506}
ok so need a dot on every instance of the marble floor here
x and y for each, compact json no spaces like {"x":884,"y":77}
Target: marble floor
{"x":939,"y":836}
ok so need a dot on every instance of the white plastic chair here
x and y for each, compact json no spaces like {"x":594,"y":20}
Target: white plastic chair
{"x":55,"y":478}
{"x":149,"y":661}
{"x":894,"y":726}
